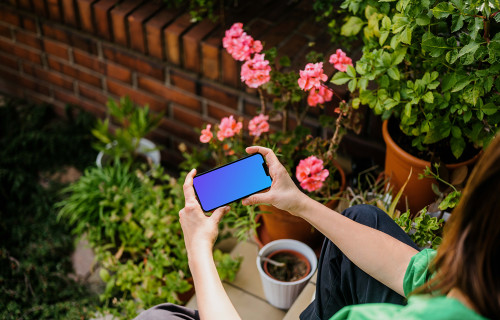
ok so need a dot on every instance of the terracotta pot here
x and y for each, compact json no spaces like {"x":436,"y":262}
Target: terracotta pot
{"x":299,"y":256}
{"x":418,"y":192}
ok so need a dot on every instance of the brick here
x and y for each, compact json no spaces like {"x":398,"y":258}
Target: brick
{"x":48,"y":76}
{"x":40,"y":8}
{"x":159,"y":89}
{"x":138,"y":97}
{"x":5,"y":31}
{"x":56,"y":48}
{"x":220,"y":96}
{"x":258,"y":27}
{"x":136,"y":27}
{"x":54,"y":32}
{"x":102,"y":18}
{"x":89,"y":61}
{"x":76,"y":73}
{"x":230,"y":70}
{"x":154,"y":32}
{"x":20,"y":52}
{"x":29,"y":39}
{"x":9,"y":61}
{"x":183,"y":81}
{"x":86,"y":18}
{"x":211,"y":55}
{"x":29,"y":24}
{"x":92,"y":94}
{"x":70,"y":15}
{"x":83,"y":43}
{"x":282,"y":30}
{"x":251,"y":109}
{"x":218,"y":112}
{"x":25,"y":4}
{"x":66,"y":97}
{"x":134,"y":62}
{"x":181,"y":131}
{"x":293,"y":47}
{"x":191,"y":44}
{"x":118,"y":20}
{"x":188,"y":117}
{"x":118,"y":72}
{"x":172,"y":35}
{"x":6,"y":15}
{"x":54,"y":9}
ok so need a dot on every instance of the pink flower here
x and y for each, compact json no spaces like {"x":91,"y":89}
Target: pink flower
{"x":206,"y":134}
{"x":255,"y":72}
{"x":340,"y":61}
{"x":228,"y":127}
{"x":319,"y":97}
{"x":311,"y":174}
{"x":239,"y":44}
{"x":312,"y":76}
{"x":258,"y":125}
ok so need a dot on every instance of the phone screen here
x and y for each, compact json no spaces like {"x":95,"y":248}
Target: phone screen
{"x":232,"y":182}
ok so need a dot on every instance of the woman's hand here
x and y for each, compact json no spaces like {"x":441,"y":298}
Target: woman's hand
{"x":283,"y":194}
{"x":200,"y":231}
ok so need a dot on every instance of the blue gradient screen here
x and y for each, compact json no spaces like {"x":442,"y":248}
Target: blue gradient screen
{"x":231,"y":182}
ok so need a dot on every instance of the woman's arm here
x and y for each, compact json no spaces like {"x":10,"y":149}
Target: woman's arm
{"x":378,"y":254}
{"x":200,"y":233}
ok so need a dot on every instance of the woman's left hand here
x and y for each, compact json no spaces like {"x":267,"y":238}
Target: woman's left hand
{"x":200,"y":231}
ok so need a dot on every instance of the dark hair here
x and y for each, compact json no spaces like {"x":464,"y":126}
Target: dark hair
{"x":469,"y":257}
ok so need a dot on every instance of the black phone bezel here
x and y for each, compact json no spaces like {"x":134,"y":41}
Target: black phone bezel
{"x":227,"y":164}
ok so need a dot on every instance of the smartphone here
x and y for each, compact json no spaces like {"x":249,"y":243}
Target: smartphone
{"x":231,"y":182}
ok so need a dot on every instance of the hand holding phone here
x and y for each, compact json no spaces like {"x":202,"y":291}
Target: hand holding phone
{"x":232,"y":182}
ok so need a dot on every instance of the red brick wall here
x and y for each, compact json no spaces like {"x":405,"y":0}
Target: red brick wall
{"x":84,"y":51}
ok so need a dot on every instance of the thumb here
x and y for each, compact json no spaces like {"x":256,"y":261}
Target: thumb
{"x":255,"y":199}
{"x":219,"y":213}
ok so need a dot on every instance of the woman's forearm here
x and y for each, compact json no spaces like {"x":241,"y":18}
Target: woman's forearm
{"x":378,"y":254}
{"x":213,"y":302}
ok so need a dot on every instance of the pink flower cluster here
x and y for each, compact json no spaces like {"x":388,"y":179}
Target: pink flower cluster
{"x":239,"y":44}
{"x":311,"y":76}
{"x":340,"y":60}
{"x":258,"y":125}
{"x":206,"y":134}
{"x":319,"y":97}
{"x":311,"y":174}
{"x":255,"y":72}
{"x":228,"y":127}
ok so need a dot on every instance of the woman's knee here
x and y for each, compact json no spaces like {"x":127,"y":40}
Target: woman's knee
{"x":365,"y":214}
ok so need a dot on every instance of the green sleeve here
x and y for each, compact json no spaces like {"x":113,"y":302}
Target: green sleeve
{"x":417,"y":272}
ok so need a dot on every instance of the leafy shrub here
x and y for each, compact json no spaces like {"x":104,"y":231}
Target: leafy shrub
{"x":433,"y":65}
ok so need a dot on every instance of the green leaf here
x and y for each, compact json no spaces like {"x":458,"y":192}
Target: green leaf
{"x":457,"y":23}
{"x":442,"y":10}
{"x":355,"y":103}
{"x":340,"y":78}
{"x":405,"y":36}
{"x":393,"y":73}
{"x":352,"y":85}
{"x":490,"y":108}
{"x":435,"y":46}
{"x":461,"y":84}
{"x":448,"y":81}
{"x":457,"y":146}
{"x":352,"y":27}
{"x":383,"y":37}
{"x":469,"y":48}
{"x":440,"y":129}
{"x":456,"y":132}
{"x":475,"y":27}
{"x":428,"y":97}
{"x":363,"y":83}
{"x":285,"y":61}
{"x":407,"y":110}
{"x":351,"y":71}
{"x":423,"y":20}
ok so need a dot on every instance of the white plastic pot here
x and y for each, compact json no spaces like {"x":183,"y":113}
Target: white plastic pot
{"x":278,"y":293}
{"x":146,"y":147}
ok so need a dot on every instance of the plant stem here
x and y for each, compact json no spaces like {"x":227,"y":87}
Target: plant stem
{"x":333,"y":141}
{"x":262,"y":101}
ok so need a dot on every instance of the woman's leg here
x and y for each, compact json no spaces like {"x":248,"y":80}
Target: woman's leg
{"x":340,"y":282}
{"x":168,"y":311}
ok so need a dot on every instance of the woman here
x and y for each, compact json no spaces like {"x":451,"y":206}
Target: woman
{"x":367,"y":265}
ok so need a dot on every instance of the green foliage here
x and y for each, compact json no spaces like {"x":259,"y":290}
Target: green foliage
{"x":423,"y":229}
{"x":35,"y":249}
{"x":450,"y":198}
{"x":131,"y":220}
{"x":433,"y":65}
{"x":201,"y":9}
{"x":134,"y":121}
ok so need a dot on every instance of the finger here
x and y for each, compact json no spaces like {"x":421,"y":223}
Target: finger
{"x":271,"y":158}
{"x":219,"y":213}
{"x":189,"y":194}
{"x":256,"y":199}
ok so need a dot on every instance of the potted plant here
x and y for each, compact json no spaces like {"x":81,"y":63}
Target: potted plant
{"x":126,"y":143}
{"x":285,"y":266}
{"x":311,"y":161}
{"x":132,"y":223}
{"x":430,"y":69}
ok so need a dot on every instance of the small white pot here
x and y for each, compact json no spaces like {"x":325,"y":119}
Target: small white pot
{"x":278,"y":293}
{"x":146,"y":147}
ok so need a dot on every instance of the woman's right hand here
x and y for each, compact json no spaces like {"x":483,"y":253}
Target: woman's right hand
{"x":283,"y":194}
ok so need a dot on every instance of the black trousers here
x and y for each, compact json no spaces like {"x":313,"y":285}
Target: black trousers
{"x":340,"y":282}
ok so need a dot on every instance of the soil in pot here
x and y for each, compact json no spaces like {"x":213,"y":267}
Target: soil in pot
{"x":296,"y":266}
